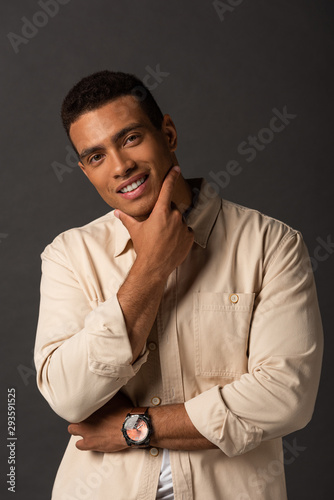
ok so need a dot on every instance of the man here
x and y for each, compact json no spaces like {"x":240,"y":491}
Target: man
{"x":180,"y":333}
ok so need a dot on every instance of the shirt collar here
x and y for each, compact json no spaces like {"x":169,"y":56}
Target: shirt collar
{"x":122,"y":236}
{"x":201,"y":217}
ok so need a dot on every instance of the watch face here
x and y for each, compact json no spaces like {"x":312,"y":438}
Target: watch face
{"x":136,"y":428}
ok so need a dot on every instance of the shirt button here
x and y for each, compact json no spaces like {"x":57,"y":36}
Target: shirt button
{"x":152,"y":346}
{"x":155,"y":401}
{"x":154,"y":452}
{"x":234,"y":298}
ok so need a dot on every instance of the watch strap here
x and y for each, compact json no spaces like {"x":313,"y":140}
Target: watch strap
{"x":139,"y":411}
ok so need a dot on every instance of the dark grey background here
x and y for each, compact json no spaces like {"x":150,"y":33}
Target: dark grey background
{"x":224,"y":79}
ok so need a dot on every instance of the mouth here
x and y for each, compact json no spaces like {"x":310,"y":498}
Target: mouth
{"x":133,"y":187}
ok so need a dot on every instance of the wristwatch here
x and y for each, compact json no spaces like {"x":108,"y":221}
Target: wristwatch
{"x":137,"y":427}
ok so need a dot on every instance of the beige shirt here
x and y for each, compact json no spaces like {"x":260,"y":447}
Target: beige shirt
{"x":237,"y":337}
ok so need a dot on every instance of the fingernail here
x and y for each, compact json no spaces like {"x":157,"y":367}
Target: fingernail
{"x":176,"y":168}
{"x":116,"y":213}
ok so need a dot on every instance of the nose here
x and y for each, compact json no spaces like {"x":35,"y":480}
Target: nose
{"x":122,"y":166}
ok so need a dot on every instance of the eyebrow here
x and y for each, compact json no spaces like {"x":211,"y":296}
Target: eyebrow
{"x":115,"y":138}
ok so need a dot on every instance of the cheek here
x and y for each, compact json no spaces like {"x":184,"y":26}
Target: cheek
{"x":152,"y":152}
{"x":99,"y":178}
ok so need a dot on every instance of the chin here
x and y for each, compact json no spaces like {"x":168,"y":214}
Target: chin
{"x":140,"y":214}
{"x":142,"y":211}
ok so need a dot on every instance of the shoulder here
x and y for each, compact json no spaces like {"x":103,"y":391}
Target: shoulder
{"x":256,"y":232}
{"x":236,"y":215}
{"x":97,"y":232}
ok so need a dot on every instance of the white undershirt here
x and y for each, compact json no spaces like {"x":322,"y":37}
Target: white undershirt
{"x":165,"y":485}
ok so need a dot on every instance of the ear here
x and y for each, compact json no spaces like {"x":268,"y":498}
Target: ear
{"x":169,"y":129}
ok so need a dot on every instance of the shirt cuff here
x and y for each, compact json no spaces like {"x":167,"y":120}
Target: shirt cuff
{"x":215,"y":422}
{"x":109,"y":348}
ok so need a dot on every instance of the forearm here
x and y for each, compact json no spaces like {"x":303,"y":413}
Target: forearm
{"x":161,"y":243}
{"x":139,"y":298}
{"x":173,"y":429}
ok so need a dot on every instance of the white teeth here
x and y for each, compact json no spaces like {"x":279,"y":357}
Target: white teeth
{"x":134,"y":185}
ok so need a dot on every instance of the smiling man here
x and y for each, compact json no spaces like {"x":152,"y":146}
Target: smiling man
{"x":179,"y":333}
{"x":119,"y":138}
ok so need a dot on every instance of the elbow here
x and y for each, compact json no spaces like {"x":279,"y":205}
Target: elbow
{"x":290,"y":395}
{"x":294,"y":414}
{"x":69,"y":412}
{"x":70,"y":409}
{"x":298,"y":416}
{"x":64,"y":403}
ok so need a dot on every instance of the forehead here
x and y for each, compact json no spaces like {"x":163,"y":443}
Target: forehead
{"x":101,"y":123}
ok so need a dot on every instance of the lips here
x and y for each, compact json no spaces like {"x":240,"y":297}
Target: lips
{"x":134,"y":187}
{"x":132,"y":183}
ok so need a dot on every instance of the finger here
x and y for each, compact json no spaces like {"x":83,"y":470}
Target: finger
{"x":82,"y":445}
{"x":89,"y":444}
{"x":167,"y":188}
{"x":128,"y":221}
{"x":74,"y":430}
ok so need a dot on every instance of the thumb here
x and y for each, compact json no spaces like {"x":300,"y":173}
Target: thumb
{"x":127,"y":221}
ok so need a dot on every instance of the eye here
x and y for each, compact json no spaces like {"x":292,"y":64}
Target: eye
{"x":132,"y":138}
{"x":95,"y":159}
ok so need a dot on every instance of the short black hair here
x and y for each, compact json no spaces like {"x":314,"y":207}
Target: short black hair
{"x":102,"y":87}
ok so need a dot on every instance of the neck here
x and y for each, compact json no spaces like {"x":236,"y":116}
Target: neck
{"x":183,"y":195}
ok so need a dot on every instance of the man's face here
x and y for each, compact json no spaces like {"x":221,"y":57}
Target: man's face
{"x":123,"y":155}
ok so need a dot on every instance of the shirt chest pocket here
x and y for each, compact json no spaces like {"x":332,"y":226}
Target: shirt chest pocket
{"x":221,"y":331}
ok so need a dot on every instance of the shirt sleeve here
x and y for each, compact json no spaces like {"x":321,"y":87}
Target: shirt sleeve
{"x":82,"y":352}
{"x":277,"y":395}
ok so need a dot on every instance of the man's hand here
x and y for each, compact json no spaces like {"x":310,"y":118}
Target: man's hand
{"x":102,"y":430}
{"x":163,"y":240}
